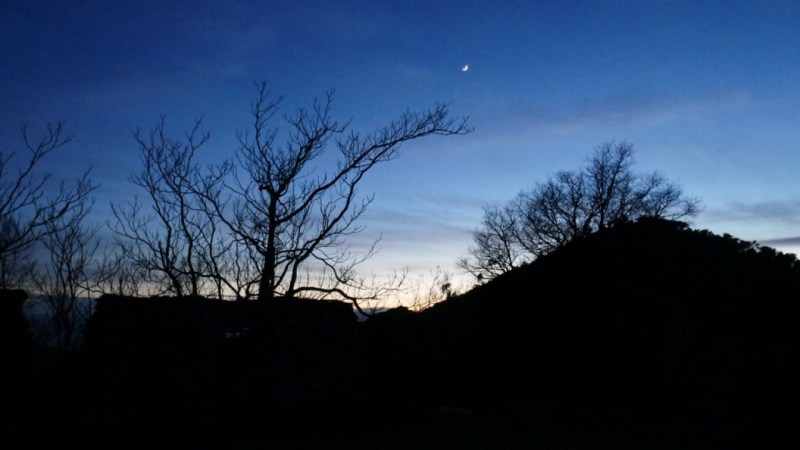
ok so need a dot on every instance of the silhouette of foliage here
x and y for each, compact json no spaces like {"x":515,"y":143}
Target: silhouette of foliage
{"x":29,"y":207}
{"x":65,"y":278}
{"x":170,"y":236}
{"x":570,"y":205}
{"x":294,"y":213}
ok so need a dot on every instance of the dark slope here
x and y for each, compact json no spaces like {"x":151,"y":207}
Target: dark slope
{"x":650,"y":327}
{"x":649,"y":258}
{"x":646,"y":335}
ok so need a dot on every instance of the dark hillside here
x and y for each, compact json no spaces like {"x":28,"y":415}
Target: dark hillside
{"x":644,"y":335}
{"x":648,"y":324}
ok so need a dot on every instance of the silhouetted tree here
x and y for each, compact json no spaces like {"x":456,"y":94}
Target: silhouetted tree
{"x":66,"y":274}
{"x":437,"y":288}
{"x":117,"y":275}
{"x":176,"y":242}
{"x":496,"y":248}
{"x":30,"y":208}
{"x":238,"y":268}
{"x":295,"y":214}
{"x":570,"y":205}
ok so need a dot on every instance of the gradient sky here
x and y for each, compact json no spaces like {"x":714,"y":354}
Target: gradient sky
{"x":708,"y":93}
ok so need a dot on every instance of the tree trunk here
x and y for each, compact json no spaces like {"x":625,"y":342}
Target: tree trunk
{"x":266,"y":290}
{"x":266,"y":287}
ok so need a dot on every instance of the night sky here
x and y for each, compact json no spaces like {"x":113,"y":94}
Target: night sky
{"x":707,"y":92}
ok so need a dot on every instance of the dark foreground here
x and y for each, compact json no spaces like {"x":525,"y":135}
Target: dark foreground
{"x":432,"y":433}
{"x":648,"y":335}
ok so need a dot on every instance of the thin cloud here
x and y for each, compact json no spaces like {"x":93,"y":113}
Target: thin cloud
{"x":625,"y":109}
{"x":438,"y":226}
{"x":417,"y":227}
{"x":787,"y":211}
{"x":783,"y":242}
{"x":774,"y":220}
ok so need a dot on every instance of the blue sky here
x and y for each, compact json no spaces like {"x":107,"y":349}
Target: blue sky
{"x":707,"y":92}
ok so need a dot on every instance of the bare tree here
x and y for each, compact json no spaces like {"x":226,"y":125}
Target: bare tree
{"x":496,"y":248}
{"x":570,"y":205}
{"x":296,"y":214}
{"x":171,"y":236}
{"x":65,"y":278}
{"x":419,"y":294}
{"x":117,"y":275}
{"x":30,"y":208}
{"x":437,"y":287}
{"x":240,"y":270}
{"x":340,"y":280}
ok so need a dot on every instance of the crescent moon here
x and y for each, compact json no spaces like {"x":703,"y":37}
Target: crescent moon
{"x":465,"y":68}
